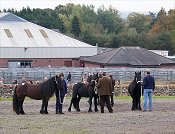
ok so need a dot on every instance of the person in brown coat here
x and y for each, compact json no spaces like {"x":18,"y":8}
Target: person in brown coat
{"x":104,"y":86}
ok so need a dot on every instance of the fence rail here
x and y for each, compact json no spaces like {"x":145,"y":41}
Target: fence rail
{"x":122,"y":74}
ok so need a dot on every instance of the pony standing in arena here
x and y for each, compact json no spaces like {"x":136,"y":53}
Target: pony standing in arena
{"x":134,"y":90}
{"x":83,"y":90}
{"x":42,"y":91}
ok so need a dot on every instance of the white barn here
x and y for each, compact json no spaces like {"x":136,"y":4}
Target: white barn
{"x":25,"y":44}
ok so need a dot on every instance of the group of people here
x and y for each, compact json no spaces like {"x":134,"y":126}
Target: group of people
{"x":105,"y":85}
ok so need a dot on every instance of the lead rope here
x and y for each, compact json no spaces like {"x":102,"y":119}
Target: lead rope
{"x":59,"y":91}
{"x":140,"y":87}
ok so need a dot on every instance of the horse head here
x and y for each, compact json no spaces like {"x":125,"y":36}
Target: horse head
{"x":137,"y":78}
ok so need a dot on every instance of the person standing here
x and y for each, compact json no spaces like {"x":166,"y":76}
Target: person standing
{"x":148,"y":86}
{"x":104,"y":86}
{"x":69,"y":77}
{"x":113,"y":84}
{"x":60,"y":93}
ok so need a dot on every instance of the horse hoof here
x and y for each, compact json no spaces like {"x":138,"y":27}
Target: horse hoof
{"x":96,"y":110}
{"x":23,"y":113}
{"x":46,"y":112}
{"x":78,"y":110}
{"x":69,"y":110}
{"x":139,"y":109}
{"x":89,"y":111}
{"x":41,"y":112}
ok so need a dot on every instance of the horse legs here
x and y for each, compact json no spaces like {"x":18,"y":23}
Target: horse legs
{"x":78,"y":104}
{"x":138,"y":104}
{"x":90,"y":104}
{"x":42,"y":107}
{"x":133,"y":103}
{"x":69,"y":109}
{"x":20,"y":103}
{"x":46,"y":104}
{"x":95,"y":102}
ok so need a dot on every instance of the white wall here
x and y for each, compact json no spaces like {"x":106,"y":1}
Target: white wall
{"x":46,"y":52}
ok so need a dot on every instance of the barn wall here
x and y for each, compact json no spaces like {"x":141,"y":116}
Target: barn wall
{"x":44,"y":62}
{"x":46,"y":52}
{"x":91,"y":65}
{"x":167,"y":66}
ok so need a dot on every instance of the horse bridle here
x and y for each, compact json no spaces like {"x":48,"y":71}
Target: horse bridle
{"x":138,"y":81}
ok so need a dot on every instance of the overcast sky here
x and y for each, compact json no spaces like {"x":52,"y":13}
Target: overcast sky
{"x":120,"y":5}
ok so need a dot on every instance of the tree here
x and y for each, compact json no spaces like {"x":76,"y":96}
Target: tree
{"x":138,"y":21}
{"x":110,"y":19}
{"x":75,"y":27}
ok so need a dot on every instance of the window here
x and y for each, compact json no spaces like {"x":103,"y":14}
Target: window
{"x":44,"y":34}
{"x":68,"y":63}
{"x":9,"y":34}
{"x":29,"y":34}
{"x":20,"y":64}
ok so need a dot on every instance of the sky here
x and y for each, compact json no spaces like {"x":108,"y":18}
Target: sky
{"x":120,"y":5}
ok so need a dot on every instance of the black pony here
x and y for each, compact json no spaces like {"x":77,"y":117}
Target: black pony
{"x":134,"y":90}
{"x":42,"y":91}
{"x":82,"y":90}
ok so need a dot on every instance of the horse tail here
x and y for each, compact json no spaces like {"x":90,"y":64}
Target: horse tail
{"x":15,"y":101}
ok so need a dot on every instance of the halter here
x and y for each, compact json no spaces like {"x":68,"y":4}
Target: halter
{"x":56,"y":80}
{"x":138,"y":81}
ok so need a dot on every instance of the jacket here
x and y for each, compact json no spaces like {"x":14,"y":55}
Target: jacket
{"x":62,"y":91}
{"x":104,"y":86}
{"x":149,"y":82}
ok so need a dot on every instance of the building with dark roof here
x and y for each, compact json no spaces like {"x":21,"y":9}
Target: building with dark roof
{"x":128,"y":57}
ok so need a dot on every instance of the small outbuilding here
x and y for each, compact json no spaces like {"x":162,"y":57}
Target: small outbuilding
{"x":128,"y":57}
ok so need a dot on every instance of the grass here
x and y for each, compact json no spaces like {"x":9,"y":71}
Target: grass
{"x":115,"y":97}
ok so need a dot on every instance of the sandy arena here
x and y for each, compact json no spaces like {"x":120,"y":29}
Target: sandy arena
{"x":122,"y":121}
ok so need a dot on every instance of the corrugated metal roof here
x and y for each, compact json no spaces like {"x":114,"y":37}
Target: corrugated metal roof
{"x":8,"y":17}
{"x":134,"y":56}
{"x":39,"y":36}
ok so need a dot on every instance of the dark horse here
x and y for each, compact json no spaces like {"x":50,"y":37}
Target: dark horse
{"x":134,"y":90}
{"x":82,"y":90}
{"x":43,"y":92}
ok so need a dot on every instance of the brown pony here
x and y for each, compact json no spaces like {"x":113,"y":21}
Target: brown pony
{"x":42,"y":91}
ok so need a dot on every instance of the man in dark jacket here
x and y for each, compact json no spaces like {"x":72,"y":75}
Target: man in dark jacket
{"x":148,"y":86}
{"x":60,"y":93}
{"x":104,"y":86}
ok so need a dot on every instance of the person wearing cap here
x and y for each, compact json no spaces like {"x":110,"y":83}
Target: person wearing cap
{"x":60,"y":94}
{"x":148,"y":86}
{"x":104,"y":86}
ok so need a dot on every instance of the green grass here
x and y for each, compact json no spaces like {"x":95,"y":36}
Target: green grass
{"x":164,"y":97}
{"x":5,"y":99}
{"x":115,"y":97}
{"x":154,"y":97}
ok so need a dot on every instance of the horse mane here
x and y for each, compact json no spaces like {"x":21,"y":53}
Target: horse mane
{"x":48,"y":87}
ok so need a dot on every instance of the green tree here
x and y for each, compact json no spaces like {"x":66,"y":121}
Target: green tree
{"x":138,"y":21}
{"x":75,"y":27}
{"x":110,"y":19}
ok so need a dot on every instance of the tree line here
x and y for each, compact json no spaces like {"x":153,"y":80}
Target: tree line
{"x":105,"y":27}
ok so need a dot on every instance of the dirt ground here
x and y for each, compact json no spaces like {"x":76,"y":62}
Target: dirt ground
{"x":122,"y":121}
